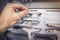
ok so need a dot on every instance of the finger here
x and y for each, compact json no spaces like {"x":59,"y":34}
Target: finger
{"x":24,"y":10}
{"x":22,"y":14}
{"x":15,"y":6}
{"x":18,"y":6}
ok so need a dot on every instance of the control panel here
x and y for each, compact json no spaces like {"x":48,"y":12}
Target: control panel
{"x":38,"y":20}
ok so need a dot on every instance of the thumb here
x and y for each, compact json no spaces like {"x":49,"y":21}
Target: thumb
{"x":22,"y":13}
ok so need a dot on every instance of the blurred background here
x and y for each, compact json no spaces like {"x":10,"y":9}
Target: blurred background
{"x":43,"y":21}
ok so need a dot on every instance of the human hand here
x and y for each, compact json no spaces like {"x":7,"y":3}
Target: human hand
{"x":9,"y":16}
